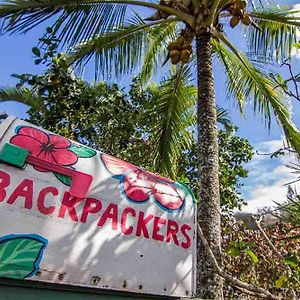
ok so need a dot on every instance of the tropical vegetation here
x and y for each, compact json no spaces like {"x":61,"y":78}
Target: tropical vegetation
{"x":120,"y":40}
{"x":126,"y":124}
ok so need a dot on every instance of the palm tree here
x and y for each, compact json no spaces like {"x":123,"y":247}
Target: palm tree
{"x":98,"y":28}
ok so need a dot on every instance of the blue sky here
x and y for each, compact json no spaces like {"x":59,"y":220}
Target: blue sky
{"x":266,"y":177}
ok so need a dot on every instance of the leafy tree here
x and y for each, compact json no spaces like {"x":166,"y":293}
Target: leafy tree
{"x":234,"y":151}
{"x":102,"y":116}
{"x":120,"y":46}
{"x":87,"y":113}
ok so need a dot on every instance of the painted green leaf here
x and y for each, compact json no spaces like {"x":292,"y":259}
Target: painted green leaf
{"x":82,"y":151}
{"x":253,"y":256}
{"x":63,"y":178}
{"x":281,"y":281}
{"x":20,"y":255}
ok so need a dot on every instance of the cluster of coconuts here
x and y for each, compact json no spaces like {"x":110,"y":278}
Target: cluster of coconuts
{"x":238,"y":11}
{"x":180,"y":50}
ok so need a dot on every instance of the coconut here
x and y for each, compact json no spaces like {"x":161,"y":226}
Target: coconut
{"x":246,"y":20}
{"x":180,"y":41}
{"x":173,"y":46}
{"x":238,"y":12}
{"x":185,"y":56}
{"x":175,"y":56}
{"x":234,"y":21}
{"x":187,"y":47}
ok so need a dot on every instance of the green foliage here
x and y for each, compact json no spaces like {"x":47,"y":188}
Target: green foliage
{"x":277,"y":34}
{"x":175,"y":101}
{"x":237,"y":248}
{"x":245,"y":81}
{"x":291,"y":260}
{"x":151,"y":127}
{"x":234,"y":152}
{"x":281,"y":281}
{"x":126,"y":45}
{"x":249,"y":257}
{"x":97,"y":115}
{"x":75,"y":20}
{"x":100,"y":25}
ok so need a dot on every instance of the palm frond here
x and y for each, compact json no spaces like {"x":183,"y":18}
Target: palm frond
{"x":277,"y":34}
{"x":234,"y":90}
{"x":175,"y":104}
{"x":22,"y":95}
{"x":223,"y":118}
{"x":251,"y":82}
{"x":75,"y":20}
{"x":121,"y":50}
{"x":156,"y":50}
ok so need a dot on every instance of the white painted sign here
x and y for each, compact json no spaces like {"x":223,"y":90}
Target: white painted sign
{"x":133,"y":231}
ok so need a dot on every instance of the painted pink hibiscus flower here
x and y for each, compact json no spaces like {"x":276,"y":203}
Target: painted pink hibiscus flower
{"x":139,"y":184}
{"x":48,"y":147}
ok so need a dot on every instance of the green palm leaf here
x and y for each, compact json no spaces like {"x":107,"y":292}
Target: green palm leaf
{"x":22,"y":95}
{"x":75,"y":20}
{"x":156,"y":50}
{"x":223,"y":118}
{"x":251,"y":82}
{"x":175,"y":105}
{"x":277,"y":34}
{"x":121,"y":50}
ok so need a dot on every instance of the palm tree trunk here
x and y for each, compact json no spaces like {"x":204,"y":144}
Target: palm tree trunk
{"x":209,"y":285}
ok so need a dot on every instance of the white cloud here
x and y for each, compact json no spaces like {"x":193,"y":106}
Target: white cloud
{"x":265,"y":195}
{"x":268,"y":178}
{"x":270,"y":146}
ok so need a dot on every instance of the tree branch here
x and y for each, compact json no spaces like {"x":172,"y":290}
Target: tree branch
{"x":285,"y":63}
{"x":271,"y":245}
{"x":246,"y":287}
{"x":292,"y":79}
{"x":276,"y":252}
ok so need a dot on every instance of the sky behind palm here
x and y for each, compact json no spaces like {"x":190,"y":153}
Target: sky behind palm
{"x":266,"y":177}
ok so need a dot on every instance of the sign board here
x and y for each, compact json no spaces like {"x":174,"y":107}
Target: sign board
{"x":73,"y":215}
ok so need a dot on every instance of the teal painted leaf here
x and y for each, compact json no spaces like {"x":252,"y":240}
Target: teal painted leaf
{"x":20,"y":255}
{"x":82,"y":151}
{"x":63,"y":178}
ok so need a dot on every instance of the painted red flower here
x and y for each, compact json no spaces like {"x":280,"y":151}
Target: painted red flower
{"x":139,"y":184}
{"x":49,"y":147}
